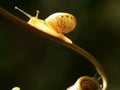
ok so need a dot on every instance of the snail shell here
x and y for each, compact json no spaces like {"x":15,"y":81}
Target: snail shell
{"x":62,"y":22}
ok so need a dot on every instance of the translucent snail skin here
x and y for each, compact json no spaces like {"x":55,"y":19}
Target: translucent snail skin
{"x":56,"y":24}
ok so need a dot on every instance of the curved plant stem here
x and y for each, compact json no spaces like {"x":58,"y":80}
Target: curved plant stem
{"x":89,"y":57}
{"x":72,"y":46}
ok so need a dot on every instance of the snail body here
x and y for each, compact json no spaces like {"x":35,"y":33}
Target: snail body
{"x":55,"y":25}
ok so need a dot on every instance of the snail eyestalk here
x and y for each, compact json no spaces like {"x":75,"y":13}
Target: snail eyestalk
{"x":23,"y":12}
{"x":37,"y":13}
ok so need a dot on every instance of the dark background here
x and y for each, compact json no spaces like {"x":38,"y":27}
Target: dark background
{"x":33,"y":62}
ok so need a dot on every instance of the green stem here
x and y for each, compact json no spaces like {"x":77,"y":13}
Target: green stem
{"x":72,"y":46}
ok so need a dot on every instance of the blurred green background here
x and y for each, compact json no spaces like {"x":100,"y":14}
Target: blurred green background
{"x":33,"y":62}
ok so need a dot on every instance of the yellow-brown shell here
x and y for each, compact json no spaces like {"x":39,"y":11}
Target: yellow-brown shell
{"x":62,"y":22}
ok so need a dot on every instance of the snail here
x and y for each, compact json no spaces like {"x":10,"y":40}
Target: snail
{"x":56,"y":24}
{"x":86,"y":83}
